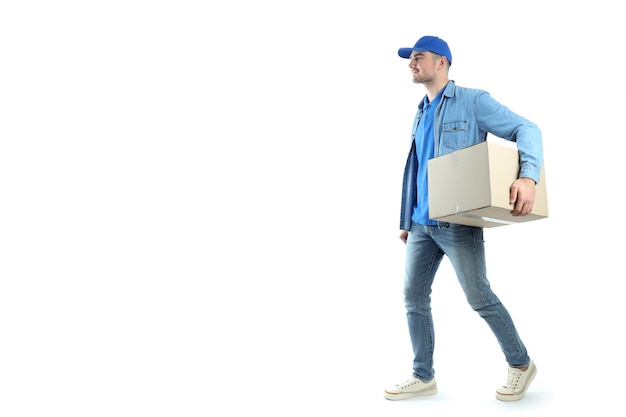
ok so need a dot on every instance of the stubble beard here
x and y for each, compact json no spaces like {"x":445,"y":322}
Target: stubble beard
{"x":418,"y":79}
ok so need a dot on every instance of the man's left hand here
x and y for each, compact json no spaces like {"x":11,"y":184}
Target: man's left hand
{"x":522,"y":196}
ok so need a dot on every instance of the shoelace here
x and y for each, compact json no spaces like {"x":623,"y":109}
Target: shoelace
{"x":409,"y":382}
{"x":514,"y":377}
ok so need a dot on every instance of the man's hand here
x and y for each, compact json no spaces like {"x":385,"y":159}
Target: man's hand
{"x":404,"y":235}
{"x":522,"y":196}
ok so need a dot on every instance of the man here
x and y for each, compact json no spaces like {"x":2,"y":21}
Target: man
{"x":450,"y":118}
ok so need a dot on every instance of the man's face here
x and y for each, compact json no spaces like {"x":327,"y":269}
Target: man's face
{"x":422,"y":66}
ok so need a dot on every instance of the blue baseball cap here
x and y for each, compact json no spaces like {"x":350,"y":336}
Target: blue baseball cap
{"x":428,"y":44}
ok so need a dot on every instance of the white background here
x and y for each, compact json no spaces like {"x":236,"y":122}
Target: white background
{"x":199,"y":207}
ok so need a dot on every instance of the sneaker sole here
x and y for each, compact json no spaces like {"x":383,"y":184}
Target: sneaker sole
{"x":516,"y":397}
{"x":392,"y":396}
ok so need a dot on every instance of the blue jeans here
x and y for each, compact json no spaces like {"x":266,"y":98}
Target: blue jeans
{"x":464,"y":246}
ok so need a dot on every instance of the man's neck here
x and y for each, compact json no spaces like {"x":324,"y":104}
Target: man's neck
{"x":433,"y":88}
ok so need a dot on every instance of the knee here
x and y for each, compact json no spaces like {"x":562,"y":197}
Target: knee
{"x":483,"y":305}
{"x":419,"y":305}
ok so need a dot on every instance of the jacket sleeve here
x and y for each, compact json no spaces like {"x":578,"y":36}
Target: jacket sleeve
{"x":500,"y":121}
{"x":409,"y":189}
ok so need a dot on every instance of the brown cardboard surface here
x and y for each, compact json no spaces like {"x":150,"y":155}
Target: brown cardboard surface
{"x":471,"y":186}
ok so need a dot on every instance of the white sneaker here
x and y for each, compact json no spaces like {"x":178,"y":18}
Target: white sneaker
{"x":517,"y":383}
{"x":412,"y":387}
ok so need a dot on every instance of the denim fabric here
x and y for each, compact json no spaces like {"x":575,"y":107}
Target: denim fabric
{"x":463,"y":118}
{"x":464,"y":246}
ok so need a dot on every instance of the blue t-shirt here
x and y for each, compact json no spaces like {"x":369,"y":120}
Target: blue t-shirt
{"x":425,"y":147}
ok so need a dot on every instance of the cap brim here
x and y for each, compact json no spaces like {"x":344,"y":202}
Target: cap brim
{"x":406,"y":52}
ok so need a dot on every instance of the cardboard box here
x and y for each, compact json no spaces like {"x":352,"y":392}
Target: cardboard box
{"x":471,"y":186}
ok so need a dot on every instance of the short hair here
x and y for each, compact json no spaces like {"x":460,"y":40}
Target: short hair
{"x":437,"y":56}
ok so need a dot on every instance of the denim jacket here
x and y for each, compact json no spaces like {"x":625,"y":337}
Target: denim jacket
{"x":463,"y":118}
